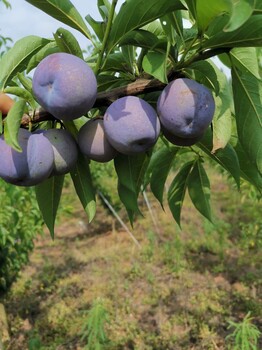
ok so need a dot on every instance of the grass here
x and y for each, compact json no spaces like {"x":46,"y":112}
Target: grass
{"x":92,"y":288}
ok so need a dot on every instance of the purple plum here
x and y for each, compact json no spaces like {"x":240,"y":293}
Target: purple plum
{"x":29,"y":167}
{"x":186,"y":108}
{"x":131,"y":125}
{"x":64,"y":148}
{"x":65,"y":86}
{"x":93,"y":142}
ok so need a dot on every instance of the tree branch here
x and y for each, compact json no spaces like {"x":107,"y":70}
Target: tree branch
{"x":138,"y":87}
{"x":104,"y":99}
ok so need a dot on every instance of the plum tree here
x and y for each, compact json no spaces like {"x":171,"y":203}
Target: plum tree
{"x":64,"y":148}
{"x":186,"y":108}
{"x":65,"y":86}
{"x":93,"y":142}
{"x":143,"y":70}
{"x":29,"y":167}
{"x":131,"y":125}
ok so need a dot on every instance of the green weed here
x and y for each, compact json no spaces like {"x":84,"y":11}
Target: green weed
{"x":93,"y":331}
{"x":245,"y":334}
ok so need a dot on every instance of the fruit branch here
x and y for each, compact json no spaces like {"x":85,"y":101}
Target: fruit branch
{"x":138,"y":87}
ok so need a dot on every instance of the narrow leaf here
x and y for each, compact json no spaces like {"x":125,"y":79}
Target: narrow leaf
{"x":248,"y":170}
{"x":247,"y":91}
{"x":83,"y":185}
{"x":46,"y":50}
{"x":67,"y":42}
{"x":199,"y":189}
{"x":141,"y":38}
{"x":65,"y":12}
{"x":20,"y":92}
{"x":48,"y":195}
{"x":134,"y":14}
{"x":161,"y":163}
{"x":98,"y":27}
{"x":130,"y":171}
{"x":177,"y":191}
{"x":12,"y":124}
{"x":16,"y":59}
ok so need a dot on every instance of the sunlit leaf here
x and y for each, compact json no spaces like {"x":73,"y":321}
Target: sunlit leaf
{"x":12,"y":124}
{"x":134,"y":14}
{"x":16,"y":59}
{"x":241,"y":11}
{"x":67,"y":42}
{"x":65,"y":12}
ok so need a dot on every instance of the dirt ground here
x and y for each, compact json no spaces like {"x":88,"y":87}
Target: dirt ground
{"x":178,"y":290}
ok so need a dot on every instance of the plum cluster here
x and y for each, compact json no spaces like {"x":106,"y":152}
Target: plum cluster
{"x":66,"y":87}
{"x":45,"y":153}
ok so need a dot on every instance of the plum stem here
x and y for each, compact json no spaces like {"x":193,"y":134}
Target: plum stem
{"x":105,"y":39}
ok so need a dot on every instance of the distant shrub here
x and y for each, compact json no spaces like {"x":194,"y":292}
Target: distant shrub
{"x":20,"y":222}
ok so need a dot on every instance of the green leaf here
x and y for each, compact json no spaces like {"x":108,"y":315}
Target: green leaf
{"x":199,"y":189}
{"x":107,"y":82}
{"x":222,"y":122}
{"x":247,"y":92}
{"x":248,"y":169}
{"x":208,"y":74}
{"x":83,"y":185}
{"x":12,"y":124}
{"x":206,"y":11}
{"x":98,"y":27}
{"x":26,"y":82}
{"x":160,"y":165}
{"x":154,"y":63}
{"x":16,"y":59}
{"x":116,"y":62}
{"x":46,"y":50}
{"x":129,"y":55}
{"x":246,"y":59}
{"x":104,"y":8}
{"x":240,"y":13}
{"x":48,"y":194}
{"x":134,"y":14}
{"x":191,"y":4}
{"x":65,"y":12}
{"x":248,"y":35}
{"x":22,"y":93}
{"x":213,"y":77}
{"x":177,"y":191}
{"x":130,"y":171}
{"x":67,"y":42}
{"x":169,"y":23}
{"x":226,"y":157}
{"x":142,"y":38}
